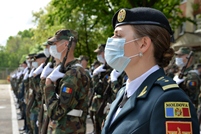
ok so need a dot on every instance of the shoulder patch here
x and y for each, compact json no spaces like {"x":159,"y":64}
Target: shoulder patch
{"x":166,"y":83}
{"x":178,"y":127}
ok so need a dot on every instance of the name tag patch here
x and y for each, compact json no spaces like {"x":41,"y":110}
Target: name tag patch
{"x":177,"y":110}
{"x":178,"y":127}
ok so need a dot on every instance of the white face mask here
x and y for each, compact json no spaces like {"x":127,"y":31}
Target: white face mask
{"x":46,"y":52}
{"x":35,"y":64}
{"x":100,"y":58}
{"x":179,"y":62}
{"x":54,"y":52}
{"x":21,"y":68}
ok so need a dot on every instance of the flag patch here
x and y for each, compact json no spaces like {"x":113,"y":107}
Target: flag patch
{"x":67,"y":90}
{"x":178,"y":127}
{"x":192,"y":83}
{"x":177,"y":110}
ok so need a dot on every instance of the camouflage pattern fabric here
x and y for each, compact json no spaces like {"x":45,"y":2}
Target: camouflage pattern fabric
{"x":73,"y":94}
{"x":191,"y":87}
{"x":116,"y":85}
{"x":100,"y":83}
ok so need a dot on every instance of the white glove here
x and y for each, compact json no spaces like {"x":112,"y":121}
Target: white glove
{"x":37,"y":123}
{"x":26,"y":75}
{"x":31,"y":73}
{"x":177,"y":80}
{"x":99,"y":70}
{"x":107,"y":108}
{"x":56,"y":74}
{"x":25,"y":70}
{"x":114,"y":75}
{"x":46,"y":71}
{"x":38,"y":70}
{"x":19,"y":74}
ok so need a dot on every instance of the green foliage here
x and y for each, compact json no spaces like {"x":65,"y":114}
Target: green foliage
{"x":90,"y":18}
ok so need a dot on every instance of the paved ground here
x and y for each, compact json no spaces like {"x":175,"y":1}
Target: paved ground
{"x":8,"y":113}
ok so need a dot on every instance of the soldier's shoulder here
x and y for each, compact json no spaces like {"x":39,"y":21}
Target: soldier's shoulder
{"x":166,"y":83}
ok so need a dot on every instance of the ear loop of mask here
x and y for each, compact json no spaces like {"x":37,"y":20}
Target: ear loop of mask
{"x":59,"y":46}
{"x":140,"y":54}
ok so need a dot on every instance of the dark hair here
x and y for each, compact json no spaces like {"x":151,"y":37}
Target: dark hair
{"x":161,"y":41}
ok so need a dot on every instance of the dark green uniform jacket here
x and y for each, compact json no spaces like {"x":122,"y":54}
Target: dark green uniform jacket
{"x":158,"y":106}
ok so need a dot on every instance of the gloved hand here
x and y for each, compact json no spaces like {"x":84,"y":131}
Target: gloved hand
{"x":107,"y":108}
{"x":38,"y":70}
{"x":99,"y":70}
{"x":25,"y":70}
{"x":19,"y":74}
{"x":31,"y":73}
{"x":46,"y":71}
{"x":55,"y":74}
{"x":114,"y":75}
{"x":26,"y":75}
{"x":37,"y":123}
{"x":177,"y":80}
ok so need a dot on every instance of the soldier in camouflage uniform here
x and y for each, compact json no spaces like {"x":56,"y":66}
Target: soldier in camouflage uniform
{"x":38,"y":62}
{"x":198,"y":72}
{"x":27,"y":94}
{"x":68,"y":109}
{"x":47,"y":69}
{"x":100,"y":81}
{"x":190,"y":83}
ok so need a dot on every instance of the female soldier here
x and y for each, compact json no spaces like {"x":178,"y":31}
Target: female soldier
{"x":155,"y":104}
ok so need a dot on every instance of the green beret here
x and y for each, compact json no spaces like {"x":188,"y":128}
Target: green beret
{"x":141,"y":16}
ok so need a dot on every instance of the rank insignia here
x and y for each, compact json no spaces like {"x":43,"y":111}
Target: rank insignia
{"x":177,"y":110}
{"x":67,"y":90}
{"x":178,"y":127}
{"x":121,"y":15}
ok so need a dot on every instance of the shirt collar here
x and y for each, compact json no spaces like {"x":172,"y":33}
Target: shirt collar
{"x":133,"y":85}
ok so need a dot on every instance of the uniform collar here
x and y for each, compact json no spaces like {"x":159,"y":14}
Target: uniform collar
{"x":132,"y":86}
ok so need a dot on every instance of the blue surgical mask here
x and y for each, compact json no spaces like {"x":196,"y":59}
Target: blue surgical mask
{"x":100,"y":58}
{"x":179,"y":62}
{"x":114,"y":53}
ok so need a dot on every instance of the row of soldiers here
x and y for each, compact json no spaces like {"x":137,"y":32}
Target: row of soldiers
{"x":56,"y":91}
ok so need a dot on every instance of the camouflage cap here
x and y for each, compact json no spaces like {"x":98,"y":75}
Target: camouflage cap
{"x":83,"y":57}
{"x":183,"y":50}
{"x":100,"y":48}
{"x":64,"y":35}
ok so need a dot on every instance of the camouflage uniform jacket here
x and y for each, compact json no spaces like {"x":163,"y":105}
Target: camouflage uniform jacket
{"x":37,"y":94}
{"x":191,"y":85}
{"x":116,"y":85}
{"x":73,"y":92}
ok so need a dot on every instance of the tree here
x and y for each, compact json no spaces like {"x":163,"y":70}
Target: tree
{"x":92,"y":19}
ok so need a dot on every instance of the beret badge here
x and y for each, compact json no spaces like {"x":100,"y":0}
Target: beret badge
{"x":121,"y":15}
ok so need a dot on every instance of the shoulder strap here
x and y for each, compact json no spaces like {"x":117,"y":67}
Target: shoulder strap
{"x":166,"y":83}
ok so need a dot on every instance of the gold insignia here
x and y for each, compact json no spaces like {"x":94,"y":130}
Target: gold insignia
{"x":143,"y":92}
{"x":121,"y":15}
{"x":170,"y":86}
{"x":160,"y":78}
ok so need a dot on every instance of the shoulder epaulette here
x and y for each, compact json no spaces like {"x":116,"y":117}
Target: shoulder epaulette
{"x":166,"y":83}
